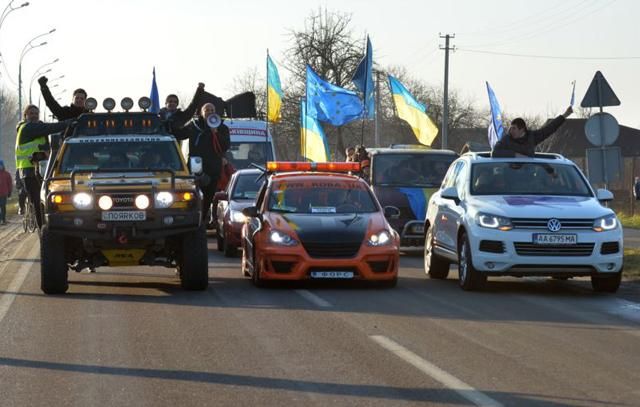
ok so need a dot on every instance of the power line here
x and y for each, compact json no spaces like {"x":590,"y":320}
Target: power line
{"x":612,"y":58}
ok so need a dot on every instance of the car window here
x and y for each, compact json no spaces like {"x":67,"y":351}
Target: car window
{"x":517,"y":178}
{"x":243,"y":154}
{"x":461,"y":179}
{"x":450,"y":179}
{"x":410,"y":169}
{"x":322,"y":197}
{"x":247,"y":186}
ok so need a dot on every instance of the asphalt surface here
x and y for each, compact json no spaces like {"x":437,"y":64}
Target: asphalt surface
{"x":131,"y":336}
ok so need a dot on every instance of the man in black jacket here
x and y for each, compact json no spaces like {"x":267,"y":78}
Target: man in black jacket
{"x":176,"y":117}
{"x":210,"y":144}
{"x":519,"y":141}
{"x":63,"y":112}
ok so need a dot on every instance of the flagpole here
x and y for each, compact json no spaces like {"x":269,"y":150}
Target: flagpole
{"x":266,"y":133}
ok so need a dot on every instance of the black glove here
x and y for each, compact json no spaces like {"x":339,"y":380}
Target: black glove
{"x":43,"y":81}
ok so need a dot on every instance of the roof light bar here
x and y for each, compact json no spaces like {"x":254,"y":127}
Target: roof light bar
{"x":285,"y":166}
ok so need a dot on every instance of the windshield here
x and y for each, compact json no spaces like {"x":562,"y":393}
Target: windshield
{"x":242,"y":154}
{"x":504,"y":178}
{"x":120,"y":155}
{"x":323,"y":197}
{"x":410,"y":170}
{"x":247,"y":186}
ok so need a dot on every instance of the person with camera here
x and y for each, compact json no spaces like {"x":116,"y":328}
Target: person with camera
{"x":208,"y":139}
{"x":32,"y":133}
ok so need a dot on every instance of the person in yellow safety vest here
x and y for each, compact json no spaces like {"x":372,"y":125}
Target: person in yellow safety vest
{"x":32,"y":133}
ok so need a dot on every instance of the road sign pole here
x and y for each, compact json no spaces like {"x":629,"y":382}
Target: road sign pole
{"x":602,"y":145}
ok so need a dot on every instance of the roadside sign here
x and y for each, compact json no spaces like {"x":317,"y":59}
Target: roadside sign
{"x":602,"y":129}
{"x":600,"y":158}
{"x":599,"y":93}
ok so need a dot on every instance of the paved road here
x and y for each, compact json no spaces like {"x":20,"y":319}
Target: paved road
{"x":130,"y":336}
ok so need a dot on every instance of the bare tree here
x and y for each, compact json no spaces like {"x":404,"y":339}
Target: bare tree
{"x":8,"y":122}
{"x":252,"y":80}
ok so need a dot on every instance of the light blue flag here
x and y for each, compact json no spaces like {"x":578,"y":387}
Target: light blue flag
{"x":155,"y":98}
{"x":330,"y":103}
{"x":363,"y":79}
{"x":495,"y":127}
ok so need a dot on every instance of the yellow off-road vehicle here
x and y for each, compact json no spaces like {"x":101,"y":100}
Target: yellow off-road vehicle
{"x":118,"y":192}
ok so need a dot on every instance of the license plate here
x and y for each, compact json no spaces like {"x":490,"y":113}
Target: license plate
{"x":123,"y":216}
{"x":332,"y":274}
{"x":550,"y":239}
{"x":418,"y":229}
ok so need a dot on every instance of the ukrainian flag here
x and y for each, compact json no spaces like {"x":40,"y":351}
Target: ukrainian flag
{"x":313,"y":142}
{"x":413,"y":112}
{"x":274,"y":92}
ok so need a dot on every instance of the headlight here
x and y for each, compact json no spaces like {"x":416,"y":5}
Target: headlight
{"x":609,"y":222}
{"x":164,"y":199}
{"x":82,"y":200}
{"x":238,"y":217}
{"x":379,"y":239}
{"x":493,"y":222}
{"x":142,"y":202}
{"x":281,"y":239}
{"x":105,"y":202}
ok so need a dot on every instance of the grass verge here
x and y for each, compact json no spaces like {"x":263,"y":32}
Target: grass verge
{"x":629,"y":221}
{"x":632,"y":263}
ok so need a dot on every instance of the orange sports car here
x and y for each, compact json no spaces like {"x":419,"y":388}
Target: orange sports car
{"x":315,"y":221}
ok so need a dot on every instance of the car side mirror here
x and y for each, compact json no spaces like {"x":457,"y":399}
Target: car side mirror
{"x":391,"y":212}
{"x":604,"y":195}
{"x":195,"y":164}
{"x":221,"y":196}
{"x":250,"y":212}
{"x":451,"y":193}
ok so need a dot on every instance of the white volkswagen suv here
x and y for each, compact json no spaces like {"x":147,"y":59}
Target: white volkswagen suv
{"x":521,"y":217}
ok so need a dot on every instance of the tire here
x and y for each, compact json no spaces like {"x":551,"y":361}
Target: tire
{"x":54,"y":277}
{"x":194,"y":262}
{"x":219,"y":241}
{"x":434,"y":266}
{"x":608,"y":284}
{"x":229,"y":251}
{"x":255,"y":276}
{"x":468,"y":277}
{"x":243,"y":265}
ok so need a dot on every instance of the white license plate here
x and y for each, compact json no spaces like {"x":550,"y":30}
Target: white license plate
{"x":548,"y":238}
{"x":332,"y":274}
{"x":123,"y":216}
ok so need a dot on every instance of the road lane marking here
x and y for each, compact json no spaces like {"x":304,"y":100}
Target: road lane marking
{"x":446,"y":379}
{"x":6,"y":300}
{"x":316,"y":300}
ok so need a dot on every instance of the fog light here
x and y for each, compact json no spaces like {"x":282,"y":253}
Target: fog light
{"x":610,"y":266}
{"x":105,"y":202}
{"x":78,"y":221}
{"x":142,"y":202}
{"x":490,"y":265}
{"x":168,"y":220}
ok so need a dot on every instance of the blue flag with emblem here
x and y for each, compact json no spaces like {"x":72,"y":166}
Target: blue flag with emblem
{"x":363,"y":80}
{"x":330,"y":103}
{"x":154,"y":96}
{"x":496,"y":129}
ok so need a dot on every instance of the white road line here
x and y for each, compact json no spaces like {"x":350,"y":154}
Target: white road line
{"x":453,"y":383}
{"x":316,"y":300}
{"x":7,"y":299}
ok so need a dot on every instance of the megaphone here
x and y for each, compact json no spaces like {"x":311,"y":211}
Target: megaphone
{"x":214,"y":121}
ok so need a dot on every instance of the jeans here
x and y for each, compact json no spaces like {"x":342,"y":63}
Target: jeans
{"x":32,"y":185}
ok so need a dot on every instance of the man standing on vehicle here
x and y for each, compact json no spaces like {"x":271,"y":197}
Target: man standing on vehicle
{"x":176,"y":117}
{"x":210,"y":144}
{"x":31,"y":134}
{"x":75,"y":109}
{"x":520,"y":141}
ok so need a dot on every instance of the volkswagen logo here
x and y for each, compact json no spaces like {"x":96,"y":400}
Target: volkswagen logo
{"x":554,"y":225}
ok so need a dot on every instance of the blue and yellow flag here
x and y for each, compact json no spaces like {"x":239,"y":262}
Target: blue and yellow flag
{"x":413,"y":112}
{"x":330,"y":103}
{"x":363,"y":79}
{"x":313,"y":142}
{"x":274,"y":92}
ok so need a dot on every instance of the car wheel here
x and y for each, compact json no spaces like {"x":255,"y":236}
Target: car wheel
{"x":434,"y":265}
{"x":54,"y":277}
{"x":243,"y":264}
{"x":255,"y":276}
{"x":468,"y":277}
{"x":607,"y":284}
{"x":194,"y":262}
{"x":219,"y":240}
{"x":229,"y":251}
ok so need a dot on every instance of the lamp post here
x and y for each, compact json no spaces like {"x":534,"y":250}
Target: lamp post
{"x":39,"y":73}
{"x":28,"y":47}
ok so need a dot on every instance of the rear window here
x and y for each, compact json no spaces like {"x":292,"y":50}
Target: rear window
{"x":410,"y":170}
{"x":322,"y":197}
{"x":247,"y":186}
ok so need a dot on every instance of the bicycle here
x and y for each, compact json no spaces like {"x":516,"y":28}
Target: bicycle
{"x":29,"y":223}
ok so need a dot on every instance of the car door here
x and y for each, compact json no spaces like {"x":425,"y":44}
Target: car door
{"x":253,"y":225}
{"x":446,"y":229}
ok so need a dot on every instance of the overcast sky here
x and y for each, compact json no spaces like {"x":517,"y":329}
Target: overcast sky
{"x":110,"y":47}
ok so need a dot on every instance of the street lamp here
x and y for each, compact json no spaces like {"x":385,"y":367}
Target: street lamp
{"x":28,"y":47}
{"x":39,"y":73}
{"x":7,"y":10}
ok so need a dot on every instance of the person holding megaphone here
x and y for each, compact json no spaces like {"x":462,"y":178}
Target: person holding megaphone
{"x":208,"y":139}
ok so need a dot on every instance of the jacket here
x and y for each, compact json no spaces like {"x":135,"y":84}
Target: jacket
{"x":201,"y":144}
{"x":178,"y":118}
{"x":507,"y":146}
{"x":60,"y":112}
{"x":6,"y":184}
{"x":33,"y":131}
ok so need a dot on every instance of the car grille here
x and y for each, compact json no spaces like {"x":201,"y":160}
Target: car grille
{"x":530,"y":249}
{"x":123,"y":201}
{"x":491,"y":246}
{"x":609,"y":248}
{"x":332,"y":250}
{"x":536,"y":223}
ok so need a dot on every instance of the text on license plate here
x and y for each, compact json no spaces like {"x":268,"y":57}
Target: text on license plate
{"x":115,"y":216}
{"x":332,"y":274}
{"x":548,"y":238}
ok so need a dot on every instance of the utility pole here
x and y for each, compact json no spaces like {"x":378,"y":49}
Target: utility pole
{"x":375,"y":132}
{"x":445,"y":106}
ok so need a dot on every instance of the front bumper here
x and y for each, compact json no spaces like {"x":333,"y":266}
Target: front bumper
{"x":520,"y":257}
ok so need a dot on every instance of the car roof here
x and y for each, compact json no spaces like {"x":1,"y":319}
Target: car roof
{"x":485,"y":156}
{"x":387,"y":150}
{"x":251,"y":171}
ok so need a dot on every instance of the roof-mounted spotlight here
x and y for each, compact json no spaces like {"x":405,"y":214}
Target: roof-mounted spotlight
{"x":90,"y":104}
{"x":109,"y":104}
{"x":144,"y":103}
{"x":126,"y":104}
